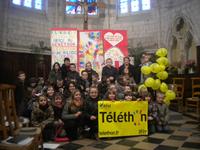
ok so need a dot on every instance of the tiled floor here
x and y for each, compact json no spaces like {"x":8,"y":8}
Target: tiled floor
{"x":184,"y":135}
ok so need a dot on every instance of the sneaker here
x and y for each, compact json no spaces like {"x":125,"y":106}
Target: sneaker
{"x":86,"y":128}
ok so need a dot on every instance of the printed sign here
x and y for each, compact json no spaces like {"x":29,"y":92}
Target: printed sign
{"x":63,"y":44}
{"x":122,"y":118}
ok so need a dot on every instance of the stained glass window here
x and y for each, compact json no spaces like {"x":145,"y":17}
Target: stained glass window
{"x":123,"y":6}
{"x":75,"y":7}
{"x":33,"y":4}
{"x":16,"y":2}
{"x":128,"y":6}
{"x":38,"y":4}
{"x":135,"y":5}
{"x":92,"y":10}
{"x":28,"y":3}
{"x":146,"y":4}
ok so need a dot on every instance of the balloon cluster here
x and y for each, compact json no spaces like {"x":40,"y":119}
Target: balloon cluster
{"x":158,"y":74}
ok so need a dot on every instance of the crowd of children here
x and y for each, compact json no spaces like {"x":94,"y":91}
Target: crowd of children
{"x":69,"y":100}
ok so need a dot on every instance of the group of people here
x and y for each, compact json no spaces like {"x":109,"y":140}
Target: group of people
{"x":69,"y":101}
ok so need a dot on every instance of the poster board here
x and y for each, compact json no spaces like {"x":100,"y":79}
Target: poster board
{"x":91,"y":50}
{"x":63,"y":44}
{"x":82,"y":46}
{"x":115,"y":45}
{"x":122,"y":118}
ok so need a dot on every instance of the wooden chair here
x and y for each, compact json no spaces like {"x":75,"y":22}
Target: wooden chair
{"x":178,"y":85}
{"x":192,"y":104}
{"x":3,"y":129}
{"x":9,"y":124}
{"x":9,"y":121}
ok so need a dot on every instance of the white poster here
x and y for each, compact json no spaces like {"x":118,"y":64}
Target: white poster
{"x":63,"y":44}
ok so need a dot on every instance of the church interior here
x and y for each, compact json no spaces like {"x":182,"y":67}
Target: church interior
{"x":25,"y":44}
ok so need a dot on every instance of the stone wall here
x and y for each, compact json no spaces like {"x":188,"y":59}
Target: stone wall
{"x":2,"y":20}
{"x":22,"y":27}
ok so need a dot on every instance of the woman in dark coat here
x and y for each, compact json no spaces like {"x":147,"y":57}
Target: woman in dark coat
{"x":55,"y":74}
{"x":73,"y":115}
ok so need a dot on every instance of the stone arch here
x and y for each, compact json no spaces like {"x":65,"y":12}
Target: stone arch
{"x":181,"y":40}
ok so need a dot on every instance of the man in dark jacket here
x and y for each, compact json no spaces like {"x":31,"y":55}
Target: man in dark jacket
{"x":109,"y":71}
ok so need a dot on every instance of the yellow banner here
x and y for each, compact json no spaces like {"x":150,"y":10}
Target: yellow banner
{"x":122,"y":118}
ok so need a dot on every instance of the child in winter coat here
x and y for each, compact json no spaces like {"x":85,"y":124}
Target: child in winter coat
{"x":42,"y":116}
{"x":91,"y":112}
{"x":163,"y":113}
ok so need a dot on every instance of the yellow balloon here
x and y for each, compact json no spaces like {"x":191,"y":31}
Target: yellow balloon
{"x":155,"y":68}
{"x":170,"y":95}
{"x":167,"y":101}
{"x":163,"y":87}
{"x":146,"y":70}
{"x":142,"y":86}
{"x":161,"y":52}
{"x":149,"y":82}
{"x":156,"y":85}
{"x":162,"y":68}
{"x":162,"y":75}
{"x":163,"y":61}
